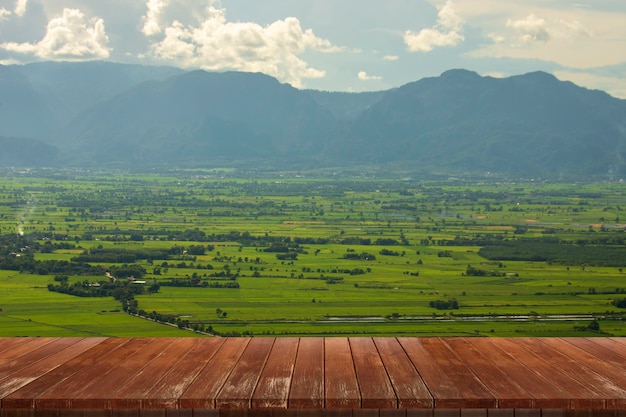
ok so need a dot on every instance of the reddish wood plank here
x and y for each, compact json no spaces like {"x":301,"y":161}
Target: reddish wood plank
{"x":596,"y":387}
{"x":307,"y":384}
{"x":30,"y":372}
{"x":97,"y":394}
{"x":25,"y":396}
{"x":11,"y":364}
{"x":24,"y":353}
{"x":272,"y":390}
{"x":13,"y":347}
{"x":376,"y":389}
{"x":504,"y":387}
{"x":239,"y":387}
{"x":174,"y":384}
{"x":580,"y":396}
{"x":60,"y":396}
{"x":410,"y":389}
{"x":461,"y":388}
{"x":341,"y":386}
{"x":616,"y":378}
{"x":546,"y":395}
{"x":616,"y":349}
{"x":131,"y":394}
{"x":203,"y":390}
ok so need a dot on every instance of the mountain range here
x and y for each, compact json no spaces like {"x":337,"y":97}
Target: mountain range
{"x":116,"y":115}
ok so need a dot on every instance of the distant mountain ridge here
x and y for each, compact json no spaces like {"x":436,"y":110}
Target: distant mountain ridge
{"x":108,"y":114}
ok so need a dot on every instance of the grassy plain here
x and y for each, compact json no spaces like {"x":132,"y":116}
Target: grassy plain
{"x":420,"y":237}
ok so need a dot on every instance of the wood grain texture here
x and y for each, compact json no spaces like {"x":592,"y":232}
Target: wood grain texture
{"x":311,"y":377}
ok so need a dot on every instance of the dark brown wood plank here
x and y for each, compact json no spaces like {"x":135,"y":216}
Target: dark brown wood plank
{"x":410,"y":389}
{"x":240,"y":385}
{"x":374,"y":383}
{"x":204,"y":389}
{"x":272,"y":390}
{"x":461,"y":388}
{"x":341,"y":385}
{"x":504,"y":387}
{"x":131,"y":394}
{"x":579,"y":395}
{"x":307,"y":384}
{"x":545,"y":394}
{"x":31,"y":371}
{"x":25,"y":396}
{"x":167,"y":392}
{"x":100,"y":390}
{"x":614,"y":378}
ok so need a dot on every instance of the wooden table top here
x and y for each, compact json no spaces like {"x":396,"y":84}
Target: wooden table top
{"x":312,"y":373}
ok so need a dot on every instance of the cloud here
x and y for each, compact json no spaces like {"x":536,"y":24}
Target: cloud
{"x":391,"y":57}
{"x":20,"y":7}
{"x":363,"y":76}
{"x":204,"y":38}
{"x":70,"y":37}
{"x":447,"y":32}
{"x":530,"y":29}
{"x":151,"y":24}
{"x":4,"y":14}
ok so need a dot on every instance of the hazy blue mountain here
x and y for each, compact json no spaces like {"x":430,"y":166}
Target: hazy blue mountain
{"x":200,"y":117}
{"x":343,"y":105}
{"x":23,"y":152}
{"x":40,"y":98}
{"x":530,"y":124}
{"x":112,"y":114}
{"x":23,"y":110}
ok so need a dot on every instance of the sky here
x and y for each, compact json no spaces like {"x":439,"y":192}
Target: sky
{"x":333,"y":45}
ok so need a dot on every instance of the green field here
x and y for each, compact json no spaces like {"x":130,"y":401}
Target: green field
{"x":287,"y":254}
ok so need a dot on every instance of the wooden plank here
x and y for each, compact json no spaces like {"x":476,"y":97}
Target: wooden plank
{"x":272,"y":390}
{"x":24,"y":353}
{"x":204,"y":389}
{"x":8,"y":366}
{"x":504,"y":387}
{"x":374,"y":383}
{"x":410,"y":389}
{"x":32,"y":371}
{"x":25,"y":396}
{"x":307,"y":384}
{"x":97,"y":395}
{"x":167,"y":392}
{"x":543,"y":391}
{"x":596,"y":388}
{"x":240,"y":385}
{"x":60,"y":396}
{"x":460,"y":388}
{"x":9,"y":345}
{"x":131,"y":394}
{"x":341,"y":385}
{"x":618,"y":352}
{"x":578,"y":394}
{"x":615,"y":378}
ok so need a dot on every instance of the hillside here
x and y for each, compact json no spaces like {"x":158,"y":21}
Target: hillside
{"x":530,"y":125}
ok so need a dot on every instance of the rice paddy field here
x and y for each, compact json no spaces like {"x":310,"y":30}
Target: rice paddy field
{"x":223,"y":253}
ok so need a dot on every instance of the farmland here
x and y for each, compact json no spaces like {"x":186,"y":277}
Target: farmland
{"x":218,"y":252}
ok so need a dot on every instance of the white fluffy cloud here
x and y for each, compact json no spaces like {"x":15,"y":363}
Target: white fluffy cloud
{"x":203,"y":38}
{"x":364,"y":76}
{"x":530,"y":29}
{"x":4,"y":14}
{"x":20,"y":7}
{"x":391,"y":58}
{"x":71,"y":36}
{"x":447,"y":31}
